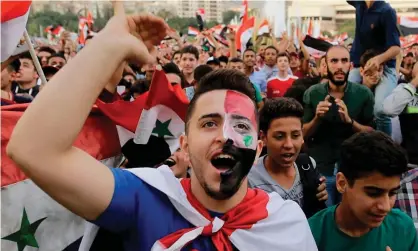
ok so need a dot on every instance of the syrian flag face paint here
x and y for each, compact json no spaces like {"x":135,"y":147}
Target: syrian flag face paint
{"x":240,"y":132}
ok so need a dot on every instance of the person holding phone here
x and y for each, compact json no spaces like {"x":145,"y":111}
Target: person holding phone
{"x":333,"y":112}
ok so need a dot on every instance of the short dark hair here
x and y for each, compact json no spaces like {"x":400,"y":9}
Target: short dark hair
{"x":190,"y":50}
{"x":276,"y":108}
{"x":298,"y":88}
{"x":47,"y":49}
{"x":58,"y":55}
{"x":223,"y":59}
{"x":236,"y":60}
{"x":201,"y":71}
{"x":14,"y":66}
{"x":25,"y":55}
{"x":176,"y":52}
{"x":369,"y":54}
{"x":367,"y":152}
{"x":223,"y":79}
{"x":335,"y":46}
{"x":249,"y":49}
{"x":271,"y":47}
{"x":283,"y":54}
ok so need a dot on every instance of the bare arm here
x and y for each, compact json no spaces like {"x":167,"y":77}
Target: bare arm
{"x":391,"y":53}
{"x":69,"y":175}
{"x":309,"y":128}
{"x":357,"y":127}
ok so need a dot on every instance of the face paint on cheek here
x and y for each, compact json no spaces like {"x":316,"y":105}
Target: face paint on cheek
{"x":240,"y":130}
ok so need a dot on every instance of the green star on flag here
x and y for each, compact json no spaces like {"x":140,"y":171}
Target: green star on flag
{"x":25,"y":236}
{"x":161,"y":129}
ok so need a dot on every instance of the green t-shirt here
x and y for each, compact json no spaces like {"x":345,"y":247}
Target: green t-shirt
{"x":258,"y":97}
{"x":325,"y":142}
{"x":396,"y":231}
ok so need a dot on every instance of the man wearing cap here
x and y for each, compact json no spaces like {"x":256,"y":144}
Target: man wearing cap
{"x":376,"y":29}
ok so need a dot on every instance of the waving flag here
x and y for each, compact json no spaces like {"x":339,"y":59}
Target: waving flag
{"x":14,"y":15}
{"x":263,"y":28}
{"x":254,"y":224}
{"x":150,"y":126}
{"x":193,"y":31}
{"x":245,"y":33}
{"x":408,"y":25}
{"x":200,"y":16}
{"x":316,"y":47}
{"x":244,"y":12}
{"x":30,"y":218}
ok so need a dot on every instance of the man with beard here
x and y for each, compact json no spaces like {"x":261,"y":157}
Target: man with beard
{"x":368,"y":179}
{"x":151,"y":208}
{"x":333,"y":112}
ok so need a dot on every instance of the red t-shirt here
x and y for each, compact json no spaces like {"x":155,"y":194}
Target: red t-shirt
{"x":277,"y":87}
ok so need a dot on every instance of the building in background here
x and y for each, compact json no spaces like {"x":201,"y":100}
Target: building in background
{"x":187,"y":8}
{"x":336,"y":12}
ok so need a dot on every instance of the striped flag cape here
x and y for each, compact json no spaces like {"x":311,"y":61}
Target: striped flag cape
{"x":14,"y":15}
{"x":260,"y":222}
{"x":150,"y":126}
{"x":30,"y":218}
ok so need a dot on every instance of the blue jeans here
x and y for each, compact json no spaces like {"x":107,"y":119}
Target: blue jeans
{"x":387,"y":85}
{"x":333,"y":194}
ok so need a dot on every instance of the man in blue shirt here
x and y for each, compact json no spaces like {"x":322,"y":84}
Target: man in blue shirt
{"x":150,"y":208}
{"x":376,"y":29}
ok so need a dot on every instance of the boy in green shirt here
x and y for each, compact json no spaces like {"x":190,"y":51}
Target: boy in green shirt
{"x":368,"y":179}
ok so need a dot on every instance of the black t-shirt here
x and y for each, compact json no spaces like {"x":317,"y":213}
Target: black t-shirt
{"x":31,"y":91}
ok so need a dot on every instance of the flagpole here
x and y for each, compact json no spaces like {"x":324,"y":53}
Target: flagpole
{"x":35,"y":58}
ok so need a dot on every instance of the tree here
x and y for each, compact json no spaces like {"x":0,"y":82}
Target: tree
{"x":227,"y":16}
{"x":165,"y":14}
{"x":349,"y":27}
{"x":327,"y":33}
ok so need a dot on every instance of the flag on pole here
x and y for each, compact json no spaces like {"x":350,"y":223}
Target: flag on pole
{"x":14,"y":16}
{"x":244,"y":12}
{"x":245,"y":33}
{"x":200,"y":16}
{"x":149,"y":127}
{"x":193,"y":31}
{"x":30,"y":218}
{"x":316,"y":47}
{"x":264,"y":27}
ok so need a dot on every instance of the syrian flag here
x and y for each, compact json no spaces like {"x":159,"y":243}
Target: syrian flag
{"x":244,"y":12}
{"x":193,"y":31}
{"x":14,"y":16}
{"x":200,"y":16}
{"x":408,"y":25}
{"x":149,"y":127}
{"x":253,"y":224}
{"x":244,"y":34}
{"x":32,"y":219}
{"x":263,"y":28}
{"x":58,"y":30}
{"x":316,"y":47}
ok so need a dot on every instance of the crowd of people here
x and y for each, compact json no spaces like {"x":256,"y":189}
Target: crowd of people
{"x":281,"y":150}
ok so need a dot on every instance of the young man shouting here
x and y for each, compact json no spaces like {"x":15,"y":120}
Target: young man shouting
{"x":150,"y":208}
{"x":284,"y":170}
{"x":368,"y":179}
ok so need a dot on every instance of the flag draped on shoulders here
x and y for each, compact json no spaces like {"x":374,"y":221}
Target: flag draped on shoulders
{"x":30,"y":218}
{"x":260,"y":222}
{"x":14,"y":15}
{"x":150,"y":126}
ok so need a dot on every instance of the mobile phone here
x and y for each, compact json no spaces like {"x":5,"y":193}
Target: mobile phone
{"x":331,"y":99}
